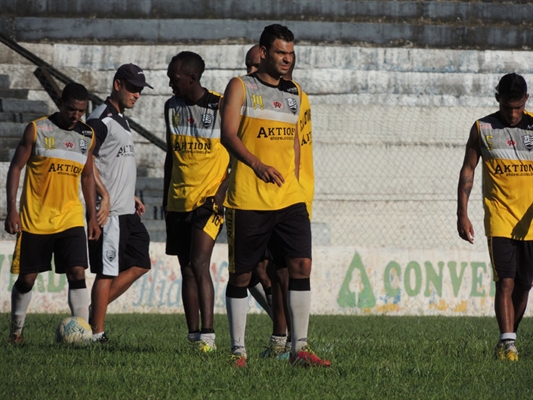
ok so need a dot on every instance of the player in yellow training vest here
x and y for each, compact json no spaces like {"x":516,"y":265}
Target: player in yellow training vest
{"x":57,"y":153}
{"x":504,"y":140}
{"x":264,"y":198}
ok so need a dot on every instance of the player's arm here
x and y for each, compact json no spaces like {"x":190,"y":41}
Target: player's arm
{"x":466,"y":182}
{"x":231,"y":119}
{"x":19,"y":161}
{"x":167,"y":169}
{"x":88,"y":187}
{"x":139,"y":206}
{"x":100,"y":135}
{"x":105,"y":201}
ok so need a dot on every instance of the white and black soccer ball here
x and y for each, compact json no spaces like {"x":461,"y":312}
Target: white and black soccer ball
{"x":74,"y":330}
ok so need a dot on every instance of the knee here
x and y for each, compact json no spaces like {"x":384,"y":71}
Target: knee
{"x":75,"y":274}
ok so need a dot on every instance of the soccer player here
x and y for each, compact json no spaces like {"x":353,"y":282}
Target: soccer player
{"x":503,"y":141}
{"x":280,"y":341}
{"x":57,"y":153}
{"x":195,"y":183}
{"x":121,"y":256}
{"x":259,"y":127}
{"x":252,"y":59}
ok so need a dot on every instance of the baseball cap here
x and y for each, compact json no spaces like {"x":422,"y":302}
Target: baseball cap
{"x":133,"y":74}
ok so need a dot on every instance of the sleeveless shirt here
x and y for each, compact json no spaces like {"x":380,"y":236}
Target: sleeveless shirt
{"x":269,"y":117}
{"x":50,"y":200}
{"x":199,"y":160}
{"x":507,"y":154}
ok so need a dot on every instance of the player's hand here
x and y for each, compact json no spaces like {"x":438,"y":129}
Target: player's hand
{"x":465,"y":229}
{"x":93,"y":230}
{"x":12,"y":223}
{"x":139,"y":206}
{"x":268,"y":174}
{"x":103,"y":212}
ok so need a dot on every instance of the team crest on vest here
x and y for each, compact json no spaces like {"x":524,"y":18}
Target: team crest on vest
{"x":110,"y":255}
{"x":176,"y":119}
{"x":293,"y":105}
{"x":277,"y":104}
{"x":69,"y":145}
{"x":528,"y":141}
{"x":207,"y":120}
{"x":83,"y":146}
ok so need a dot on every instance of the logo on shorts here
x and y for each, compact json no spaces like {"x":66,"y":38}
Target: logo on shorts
{"x":293,"y":105}
{"x":110,"y":255}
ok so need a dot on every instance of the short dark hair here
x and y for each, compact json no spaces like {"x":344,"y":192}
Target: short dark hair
{"x":512,"y":87}
{"x":74,"y":91}
{"x":273,"y":32}
{"x":190,"y":62}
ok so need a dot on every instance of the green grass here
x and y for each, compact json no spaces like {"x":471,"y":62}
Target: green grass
{"x":372,"y":357}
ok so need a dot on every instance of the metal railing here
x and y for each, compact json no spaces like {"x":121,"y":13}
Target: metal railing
{"x":44,"y":73}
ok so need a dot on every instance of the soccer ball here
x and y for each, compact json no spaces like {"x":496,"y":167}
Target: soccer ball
{"x":74,"y":330}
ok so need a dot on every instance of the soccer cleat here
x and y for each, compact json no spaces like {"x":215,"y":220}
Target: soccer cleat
{"x":506,"y":350}
{"x":205,"y":346}
{"x":238,"y":357}
{"x":277,"y":349}
{"x":15,"y":338}
{"x":101,"y":339}
{"x":307,"y":358}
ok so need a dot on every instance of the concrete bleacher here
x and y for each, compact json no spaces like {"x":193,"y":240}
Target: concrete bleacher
{"x":408,"y":60}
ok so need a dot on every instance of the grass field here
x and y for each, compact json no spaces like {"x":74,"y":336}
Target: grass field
{"x":372,"y":358}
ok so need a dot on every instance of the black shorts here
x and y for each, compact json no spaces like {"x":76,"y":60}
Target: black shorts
{"x":206,"y":218}
{"x":286,"y":232}
{"x":124,"y":243}
{"x":512,"y":259}
{"x":33,"y":253}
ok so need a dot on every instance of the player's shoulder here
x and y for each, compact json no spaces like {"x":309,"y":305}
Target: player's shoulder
{"x":289,"y":86}
{"x":211,"y":100}
{"x":84,"y":129}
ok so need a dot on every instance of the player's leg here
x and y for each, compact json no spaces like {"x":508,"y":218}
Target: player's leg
{"x":70,"y":257}
{"x":134,"y":255}
{"x":503,"y":253}
{"x":294,"y":231}
{"x":200,"y":262}
{"x":260,"y":286}
{"x":104,"y":255}
{"x":33,"y":254}
{"x":20,"y":300}
{"x":179,"y":244}
{"x":278,"y":339}
{"x":257,"y":289}
{"x":99,"y":302}
{"x":237,"y":310}
{"x":523,"y":280}
{"x":248,"y":234}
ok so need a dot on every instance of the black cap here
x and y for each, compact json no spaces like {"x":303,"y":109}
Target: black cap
{"x":133,"y":74}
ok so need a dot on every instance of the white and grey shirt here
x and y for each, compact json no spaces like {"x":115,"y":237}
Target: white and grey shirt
{"x":115,"y":157}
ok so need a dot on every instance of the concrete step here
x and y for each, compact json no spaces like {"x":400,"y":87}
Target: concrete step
{"x":14,"y":93}
{"x":23,"y":106}
{"x":18,"y":117}
{"x":4,"y":81}
{"x":11,"y":130}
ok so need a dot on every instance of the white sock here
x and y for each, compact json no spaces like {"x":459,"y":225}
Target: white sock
{"x":300,"y":307}
{"x":237,"y":311}
{"x":260,"y":296}
{"x":508,"y":336}
{"x":97,"y":336}
{"x":19,"y":308}
{"x":78,"y":301}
